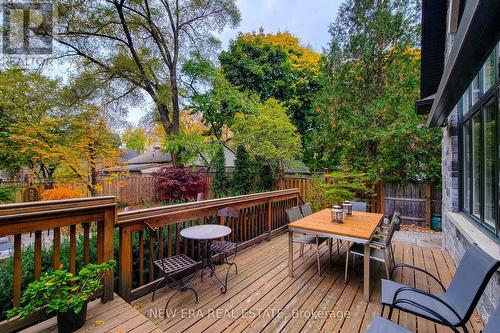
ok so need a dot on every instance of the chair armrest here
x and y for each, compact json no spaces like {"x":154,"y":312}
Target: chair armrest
{"x":430,"y":311}
{"x":396,"y":300}
{"x":403,"y":265}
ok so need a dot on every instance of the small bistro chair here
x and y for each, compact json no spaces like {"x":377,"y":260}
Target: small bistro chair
{"x":382,"y":325}
{"x":294,"y":214}
{"x":455,"y":305}
{"x":223,"y":248}
{"x":379,"y":251}
{"x":178,"y":271}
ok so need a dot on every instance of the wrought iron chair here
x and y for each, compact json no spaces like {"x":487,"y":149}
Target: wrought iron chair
{"x":379,"y":250}
{"x":223,"y":248}
{"x":382,"y":325}
{"x":178,"y":271}
{"x":293,"y":214}
{"x":455,"y":305}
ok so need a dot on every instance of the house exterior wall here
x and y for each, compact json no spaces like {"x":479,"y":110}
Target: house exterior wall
{"x":456,"y":240}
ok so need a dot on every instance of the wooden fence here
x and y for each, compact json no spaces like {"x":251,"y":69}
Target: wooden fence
{"x":415,"y":201}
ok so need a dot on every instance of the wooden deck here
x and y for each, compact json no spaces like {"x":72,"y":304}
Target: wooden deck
{"x":262,"y":298}
{"x":116,"y":316}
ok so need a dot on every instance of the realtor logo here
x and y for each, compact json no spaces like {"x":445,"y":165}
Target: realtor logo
{"x":27,"y":28}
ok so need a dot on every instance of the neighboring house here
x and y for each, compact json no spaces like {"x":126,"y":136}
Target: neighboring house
{"x":155,"y":159}
{"x":460,"y":89}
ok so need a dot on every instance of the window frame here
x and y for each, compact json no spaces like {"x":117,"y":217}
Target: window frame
{"x":486,"y":97}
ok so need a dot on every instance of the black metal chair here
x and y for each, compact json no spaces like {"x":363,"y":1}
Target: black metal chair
{"x":380,"y":250}
{"x":382,"y":325}
{"x":455,"y":305}
{"x":178,"y":271}
{"x":223,"y":248}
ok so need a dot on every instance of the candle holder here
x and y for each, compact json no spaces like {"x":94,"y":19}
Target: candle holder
{"x":347,"y":207}
{"x":337,"y":214}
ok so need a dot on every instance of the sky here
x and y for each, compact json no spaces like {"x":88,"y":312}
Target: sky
{"x":306,"y":19}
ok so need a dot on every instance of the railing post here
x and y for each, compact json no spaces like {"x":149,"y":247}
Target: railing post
{"x":269,"y":222}
{"x":108,"y":252}
{"x":125,"y":262}
{"x":428,"y":203}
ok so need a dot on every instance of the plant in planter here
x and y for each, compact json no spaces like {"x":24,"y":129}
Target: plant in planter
{"x":63,"y":293}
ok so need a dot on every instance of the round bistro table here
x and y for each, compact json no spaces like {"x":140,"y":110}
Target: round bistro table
{"x":208,"y":233}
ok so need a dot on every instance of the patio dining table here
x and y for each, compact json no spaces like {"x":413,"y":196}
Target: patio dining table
{"x":208,"y":233}
{"x":358,"y":227}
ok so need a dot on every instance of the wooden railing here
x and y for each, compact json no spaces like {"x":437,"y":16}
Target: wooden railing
{"x":76,"y":217}
{"x":92,"y":222}
{"x":261,"y":215}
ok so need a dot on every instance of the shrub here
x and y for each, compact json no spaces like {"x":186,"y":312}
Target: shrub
{"x":7,"y":194}
{"x":242,"y":181}
{"x":179,"y":183}
{"x":59,"y":194}
{"x":219,"y":183}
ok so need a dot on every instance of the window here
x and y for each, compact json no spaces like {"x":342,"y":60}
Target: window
{"x":476,"y":90}
{"x":490,"y":163}
{"x":467,"y":166}
{"x":476,"y":165}
{"x":466,"y":102}
{"x":489,"y":72}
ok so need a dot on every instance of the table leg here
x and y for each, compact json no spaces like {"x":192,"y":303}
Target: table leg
{"x":211,"y":265}
{"x":366,"y":277}
{"x":290,"y":253}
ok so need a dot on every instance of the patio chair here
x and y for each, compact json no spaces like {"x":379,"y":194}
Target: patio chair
{"x":455,"y":305}
{"x":293,"y":214}
{"x":225,"y":248}
{"x":382,"y":325}
{"x":178,"y":271}
{"x":379,"y":251}
{"x":306,"y":209}
{"x":359,"y":206}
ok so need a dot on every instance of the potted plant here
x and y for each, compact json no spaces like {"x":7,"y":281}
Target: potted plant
{"x":63,"y":293}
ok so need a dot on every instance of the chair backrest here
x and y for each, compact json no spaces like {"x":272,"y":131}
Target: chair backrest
{"x":293,"y":214}
{"x":493,"y":324}
{"x":228,"y":212}
{"x":306,"y":209}
{"x":392,"y":229}
{"x":359,"y":206}
{"x":470,"y":280}
{"x":396,"y":217}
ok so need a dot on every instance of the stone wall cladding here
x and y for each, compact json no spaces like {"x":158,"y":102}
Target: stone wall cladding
{"x":453,"y":240}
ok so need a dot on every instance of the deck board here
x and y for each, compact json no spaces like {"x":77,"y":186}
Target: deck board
{"x":116,"y":316}
{"x":286,"y":304}
{"x":305,"y":303}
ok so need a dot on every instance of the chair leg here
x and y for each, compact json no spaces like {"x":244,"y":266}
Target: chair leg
{"x":382,"y":312}
{"x":195,"y":294}
{"x":301,"y":250}
{"x":318,"y":256}
{"x":338,"y":247}
{"x":386,"y":263}
{"x":346,"y":264}
{"x":156,"y":287}
{"x":330,"y":249}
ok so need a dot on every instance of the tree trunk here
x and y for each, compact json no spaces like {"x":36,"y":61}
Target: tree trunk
{"x":175,"y":113}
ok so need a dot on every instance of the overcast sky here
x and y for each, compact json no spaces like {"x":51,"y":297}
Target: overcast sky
{"x":306,"y":19}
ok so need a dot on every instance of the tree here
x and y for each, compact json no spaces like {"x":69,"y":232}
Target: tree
{"x":367,"y":121}
{"x":139,"y":45}
{"x":26,"y":109}
{"x":219,"y":183}
{"x":277,"y":66}
{"x":268,"y":135}
{"x":243,"y":177}
{"x":179,"y":183}
{"x":219,"y":104}
{"x":135,"y":139}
